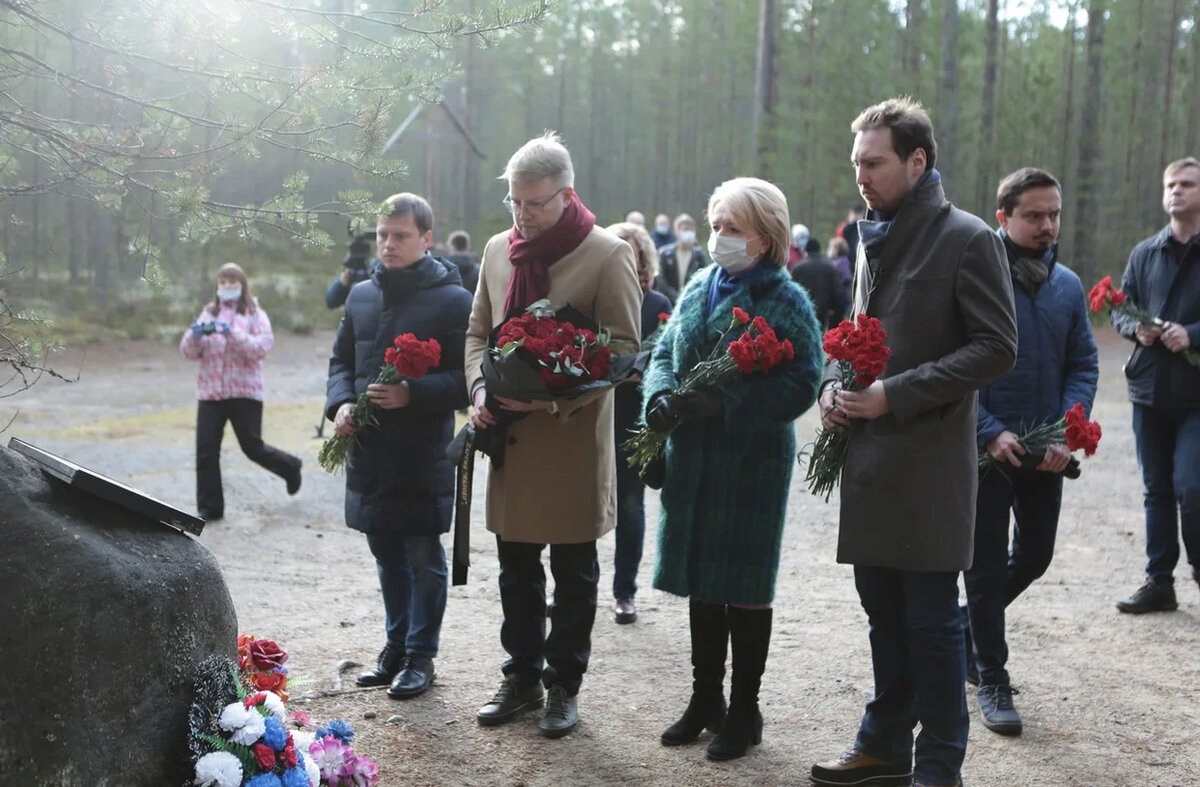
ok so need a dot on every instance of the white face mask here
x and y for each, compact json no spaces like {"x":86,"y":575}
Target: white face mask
{"x":729,"y":253}
{"x":687,"y":237}
{"x":229,"y":293}
{"x":663,"y":228}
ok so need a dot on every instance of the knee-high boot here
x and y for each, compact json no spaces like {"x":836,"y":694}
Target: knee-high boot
{"x":710,"y":635}
{"x":750,"y":632}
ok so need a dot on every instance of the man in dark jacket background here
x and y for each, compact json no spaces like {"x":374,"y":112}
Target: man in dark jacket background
{"x":399,"y":484}
{"x":1056,"y":368}
{"x":460,"y":255}
{"x":1163,"y":277}
{"x":816,"y":274}
{"x":936,"y":279}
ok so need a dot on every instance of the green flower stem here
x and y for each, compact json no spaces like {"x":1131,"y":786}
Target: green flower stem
{"x":333,"y":454}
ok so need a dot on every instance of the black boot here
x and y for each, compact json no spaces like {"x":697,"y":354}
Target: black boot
{"x":391,"y":659}
{"x":750,"y":633}
{"x":710,"y":636}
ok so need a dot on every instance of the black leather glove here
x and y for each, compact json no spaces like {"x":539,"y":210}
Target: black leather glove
{"x":1032,"y":458}
{"x":668,"y":411}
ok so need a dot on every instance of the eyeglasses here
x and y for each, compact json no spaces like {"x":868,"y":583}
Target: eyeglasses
{"x":515,"y":206}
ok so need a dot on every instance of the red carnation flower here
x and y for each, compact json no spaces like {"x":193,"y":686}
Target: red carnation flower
{"x":266,"y":655}
{"x":264,"y":755}
{"x":740,"y":316}
{"x":664,"y":316}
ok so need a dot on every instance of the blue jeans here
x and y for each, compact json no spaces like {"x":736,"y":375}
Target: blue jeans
{"x":918,"y":655}
{"x":998,"y":576}
{"x":412,"y":576}
{"x":1168,"y":449}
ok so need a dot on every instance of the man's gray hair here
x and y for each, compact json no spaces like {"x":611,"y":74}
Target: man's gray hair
{"x":541,"y":157}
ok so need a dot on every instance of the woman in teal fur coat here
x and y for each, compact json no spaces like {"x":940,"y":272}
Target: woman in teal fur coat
{"x":729,"y":460}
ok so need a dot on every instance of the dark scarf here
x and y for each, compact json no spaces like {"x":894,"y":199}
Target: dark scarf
{"x":723,"y":285}
{"x":531,"y":259}
{"x":1030,"y":267}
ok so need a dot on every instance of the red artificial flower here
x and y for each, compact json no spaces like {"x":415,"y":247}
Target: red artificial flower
{"x":664,"y":316}
{"x":740,"y":316}
{"x":253,"y":700}
{"x":558,"y":345}
{"x":264,"y":755}
{"x":860,"y":344}
{"x":1080,"y":432}
{"x":243,"y":646}
{"x":288,"y":755}
{"x":412,"y":357}
{"x":1116,"y":297}
{"x":266,"y":655}
{"x":271,"y":681}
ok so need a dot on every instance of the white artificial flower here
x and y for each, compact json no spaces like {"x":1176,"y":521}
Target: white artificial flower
{"x":275,"y":706}
{"x":303,"y":739}
{"x":245,"y":725}
{"x":219,"y":769}
{"x":310,"y":766}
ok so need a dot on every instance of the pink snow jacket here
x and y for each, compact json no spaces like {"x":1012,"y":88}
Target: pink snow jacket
{"x":230,"y":363}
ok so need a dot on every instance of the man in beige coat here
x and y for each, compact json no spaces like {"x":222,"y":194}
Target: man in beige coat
{"x":557,"y":484}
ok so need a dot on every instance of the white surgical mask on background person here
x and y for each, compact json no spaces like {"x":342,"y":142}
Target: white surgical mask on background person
{"x":730,"y":253}
{"x":687,"y":237}
{"x":229,"y":293}
{"x":662,"y":228}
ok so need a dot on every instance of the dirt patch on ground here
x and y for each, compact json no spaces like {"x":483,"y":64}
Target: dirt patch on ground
{"x":1107,"y":699}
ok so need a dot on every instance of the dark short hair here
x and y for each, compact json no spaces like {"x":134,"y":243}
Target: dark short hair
{"x":408,"y":204}
{"x":1178,"y":164}
{"x":459,"y":240}
{"x":1019,"y":182}
{"x":812,"y":246}
{"x":910,"y":125}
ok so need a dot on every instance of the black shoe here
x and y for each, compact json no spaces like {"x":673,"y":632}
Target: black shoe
{"x":211,"y":516}
{"x":391,"y":659}
{"x":293,"y":478}
{"x":704,"y":712}
{"x":624,"y":612}
{"x":413,"y":680}
{"x":741,"y":729}
{"x":510,"y":701}
{"x":1150,"y":597}
{"x":562,"y":713}
{"x":856,"y":767}
{"x":996,"y":709}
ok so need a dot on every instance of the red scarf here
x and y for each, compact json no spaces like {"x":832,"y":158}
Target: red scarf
{"x":531,"y":259}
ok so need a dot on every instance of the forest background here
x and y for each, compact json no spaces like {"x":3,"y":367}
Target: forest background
{"x":144,"y":142}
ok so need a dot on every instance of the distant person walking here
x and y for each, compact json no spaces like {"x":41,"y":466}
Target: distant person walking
{"x":680,"y":260}
{"x":466,"y":262}
{"x":230,"y":338}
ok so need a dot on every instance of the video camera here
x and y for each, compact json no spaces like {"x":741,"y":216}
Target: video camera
{"x":358,"y":252}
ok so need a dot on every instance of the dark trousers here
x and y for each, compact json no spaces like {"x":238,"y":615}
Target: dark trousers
{"x":246,"y":417}
{"x":631,"y":493}
{"x":998,"y":575}
{"x":917,"y":652}
{"x":1168,"y":449}
{"x":562,"y":657}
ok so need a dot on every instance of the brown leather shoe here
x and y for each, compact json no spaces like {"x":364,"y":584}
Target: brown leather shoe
{"x":858,"y":768}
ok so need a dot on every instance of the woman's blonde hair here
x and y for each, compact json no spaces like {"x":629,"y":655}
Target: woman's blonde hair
{"x":760,"y":205}
{"x":246,"y":303}
{"x":639,"y":239}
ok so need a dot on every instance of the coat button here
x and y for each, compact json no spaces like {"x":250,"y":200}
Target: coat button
{"x":512,"y":441}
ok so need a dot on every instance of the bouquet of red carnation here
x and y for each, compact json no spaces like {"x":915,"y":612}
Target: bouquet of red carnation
{"x":409,"y":358}
{"x":1105,"y":296}
{"x":758,"y":348}
{"x":558,"y":344}
{"x":860,"y":351}
{"x":1073,"y":429}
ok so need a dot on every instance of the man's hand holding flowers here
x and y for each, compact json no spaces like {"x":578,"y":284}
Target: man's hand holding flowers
{"x":871,"y":402}
{"x":1006,"y":447}
{"x":389,"y":396}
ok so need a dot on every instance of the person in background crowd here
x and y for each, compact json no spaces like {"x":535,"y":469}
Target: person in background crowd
{"x":1163,"y":277}
{"x":627,"y":403}
{"x":461,"y":256}
{"x":230,"y":338}
{"x":662,"y":234}
{"x":636,"y":217}
{"x":399,"y":484}
{"x":936,"y":279}
{"x":557,"y":485}
{"x":823,"y":283}
{"x":356,"y":267}
{"x":679,"y":261}
{"x":1056,"y":368}
{"x":800,"y":236}
{"x":839,"y":257}
{"x":848,"y":230}
{"x":729,"y":460}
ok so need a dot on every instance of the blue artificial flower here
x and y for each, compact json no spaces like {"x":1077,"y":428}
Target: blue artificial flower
{"x":338,"y":729}
{"x":295,"y":777}
{"x":274,"y":734}
{"x":264,"y":780}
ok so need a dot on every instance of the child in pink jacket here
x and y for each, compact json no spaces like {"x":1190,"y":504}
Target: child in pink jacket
{"x":230,"y":338}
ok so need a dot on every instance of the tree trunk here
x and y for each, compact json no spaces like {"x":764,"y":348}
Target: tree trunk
{"x":911,"y":57}
{"x":1168,"y":112}
{"x":765,"y":91}
{"x":1068,"y":102}
{"x":988,"y":127}
{"x":470,"y":182}
{"x":947,"y":112}
{"x":1087,"y":222}
{"x":1193,"y":118}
